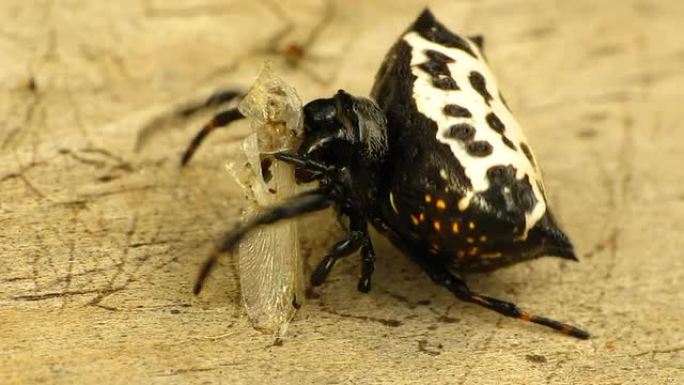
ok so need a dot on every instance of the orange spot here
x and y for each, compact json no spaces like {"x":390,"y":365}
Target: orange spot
{"x":471,"y":225}
{"x":461,"y":253}
{"x":428,"y":198}
{"x":414,"y":219}
{"x":525,"y":316}
{"x":478,"y":298}
{"x":421,"y":217}
{"x":473,"y":250}
{"x":441,"y":205}
{"x":454,"y":227}
{"x":470,"y":240}
{"x":483,"y":238}
{"x":437,"y":225}
{"x":567,"y":329}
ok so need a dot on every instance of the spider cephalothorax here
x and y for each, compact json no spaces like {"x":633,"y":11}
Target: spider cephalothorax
{"x":349,"y":133}
{"x":435,"y":162}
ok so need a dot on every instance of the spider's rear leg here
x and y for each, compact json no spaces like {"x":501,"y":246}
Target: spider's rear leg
{"x":216,"y":99}
{"x":221,"y":119}
{"x":183,"y":112}
{"x":458,"y":287}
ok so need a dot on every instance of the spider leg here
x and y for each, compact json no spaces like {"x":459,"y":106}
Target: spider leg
{"x":440,"y":275}
{"x":304,"y":163}
{"x":367,"y":265}
{"x":221,"y":119}
{"x":214,"y":100}
{"x":182,"y":113}
{"x":300,"y":204}
{"x":358,"y":239}
{"x":341,"y":249}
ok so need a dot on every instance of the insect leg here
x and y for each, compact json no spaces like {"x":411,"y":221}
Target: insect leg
{"x":300,"y":204}
{"x":441,"y":275}
{"x":221,"y":119}
{"x":339,"y":250}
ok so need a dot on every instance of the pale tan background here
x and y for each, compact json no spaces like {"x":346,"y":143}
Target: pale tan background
{"x":99,"y":246}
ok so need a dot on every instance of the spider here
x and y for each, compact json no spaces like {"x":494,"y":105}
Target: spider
{"x":434,"y":161}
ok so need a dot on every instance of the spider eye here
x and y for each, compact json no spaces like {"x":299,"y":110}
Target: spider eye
{"x":320,"y":114}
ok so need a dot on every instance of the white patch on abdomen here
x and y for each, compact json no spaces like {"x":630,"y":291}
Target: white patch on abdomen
{"x":431,"y":101}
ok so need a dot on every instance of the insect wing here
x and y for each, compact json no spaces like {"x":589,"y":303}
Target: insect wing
{"x":270,"y":267}
{"x":269,"y":262}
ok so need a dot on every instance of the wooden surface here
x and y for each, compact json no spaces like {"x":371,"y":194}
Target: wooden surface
{"x":99,"y":245}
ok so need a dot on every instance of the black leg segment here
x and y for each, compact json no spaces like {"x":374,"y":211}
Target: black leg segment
{"x":339,"y":250}
{"x":300,"y":204}
{"x":182,"y":113}
{"x":358,"y":239}
{"x":367,"y":266}
{"x":222,"y":119}
{"x":442,"y":276}
{"x":304,"y":163}
{"x":216,"y":99}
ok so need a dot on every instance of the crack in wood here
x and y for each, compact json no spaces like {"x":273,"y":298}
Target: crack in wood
{"x":60,"y":294}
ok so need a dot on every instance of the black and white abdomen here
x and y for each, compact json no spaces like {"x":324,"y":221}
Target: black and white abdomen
{"x":460,"y":159}
{"x":472,"y":118}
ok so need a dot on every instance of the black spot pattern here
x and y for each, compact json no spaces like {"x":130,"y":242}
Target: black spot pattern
{"x":445,"y":83}
{"x":438,"y":57}
{"x":461,"y":131}
{"x":515,"y":197}
{"x":523,"y":195}
{"x":508,"y":142}
{"x":479,"y":148}
{"x":479,"y":84}
{"x":501,"y":175}
{"x":418,"y":155}
{"x":438,"y":69}
{"x":430,"y":29}
{"x":495,"y":123}
{"x":457,"y":111}
{"x":499,"y":195}
{"x":528,"y":153}
{"x":435,"y":68}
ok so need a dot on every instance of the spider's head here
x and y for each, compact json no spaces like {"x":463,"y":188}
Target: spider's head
{"x":344,"y":131}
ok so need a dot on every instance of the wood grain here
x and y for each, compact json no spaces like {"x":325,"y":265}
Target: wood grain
{"x":99,"y":244}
